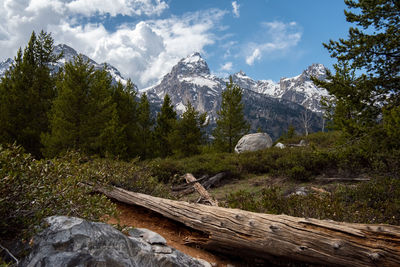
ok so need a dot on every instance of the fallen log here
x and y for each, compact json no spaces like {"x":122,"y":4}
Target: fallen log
{"x":189,"y":185}
{"x":214,"y":180}
{"x":205,"y":181}
{"x":200,"y":189}
{"x":275,"y":237}
{"x":342,"y":179}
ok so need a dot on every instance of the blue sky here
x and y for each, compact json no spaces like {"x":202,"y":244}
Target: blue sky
{"x":267,"y":39}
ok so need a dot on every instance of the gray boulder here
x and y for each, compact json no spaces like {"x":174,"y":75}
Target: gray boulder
{"x":70,"y":241}
{"x":253,"y":142}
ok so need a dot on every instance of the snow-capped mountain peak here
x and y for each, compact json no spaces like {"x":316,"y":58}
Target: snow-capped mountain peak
{"x":315,"y":70}
{"x":193,"y":58}
{"x":241,"y":74}
{"x":302,"y":90}
{"x":192,"y":64}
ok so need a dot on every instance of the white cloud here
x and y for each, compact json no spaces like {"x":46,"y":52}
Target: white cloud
{"x":279,"y":38}
{"x":115,"y":7}
{"x":235,"y":9}
{"x":227,"y":66}
{"x":144,"y":51}
{"x":256,"y":55}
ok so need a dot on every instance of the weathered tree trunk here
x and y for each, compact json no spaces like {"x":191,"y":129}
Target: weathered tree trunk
{"x":256,"y":235}
{"x":339,"y":179}
{"x":200,"y":189}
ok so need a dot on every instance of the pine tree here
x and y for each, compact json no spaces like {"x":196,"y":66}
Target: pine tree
{"x":188,"y":135}
{"x":101,"y":114}
{"x":166,"y":121}
{"x":83,"y":116}
{"x":127,"y":110}
{"x":231,"y":125}
{"x":373,"y":47}
{"x":145,"y":129}
{"x":27,"y":91}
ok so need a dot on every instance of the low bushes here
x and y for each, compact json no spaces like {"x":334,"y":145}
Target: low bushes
{"x":31,"y":190}
{"x":169,"y":170}
{"x":129,"y":175}
{"x":377,"y":201}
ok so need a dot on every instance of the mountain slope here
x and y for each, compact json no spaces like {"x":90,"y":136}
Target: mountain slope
{"x":299,"y":89}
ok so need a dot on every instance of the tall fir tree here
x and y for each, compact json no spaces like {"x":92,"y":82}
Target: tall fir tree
{"x":231,"y":124}
{"x":145,"y":125}
{"x":188,"y":134}
{"x":165,"y":124}
{"x":83,"y":116}
{"x":127,"y":110}
{"x":373,"y":48}
{"x":27,"y":91}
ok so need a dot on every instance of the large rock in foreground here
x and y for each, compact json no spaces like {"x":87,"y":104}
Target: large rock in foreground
{"x":70,"y":241}
{"x":253,"y":142}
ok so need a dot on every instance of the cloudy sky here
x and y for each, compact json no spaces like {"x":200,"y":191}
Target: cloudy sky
{"x":267,"y":39}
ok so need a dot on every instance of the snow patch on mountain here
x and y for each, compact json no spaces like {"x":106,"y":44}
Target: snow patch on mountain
{"x":5,"y":65}
{"x":180,"y":107}
{"x":200,"y":81}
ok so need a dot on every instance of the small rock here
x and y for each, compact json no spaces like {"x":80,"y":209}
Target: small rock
{"x":161,"y":249}
{"x":148,"y":236}
{"x":205,"y":263}
{"x":280,"y":145}
{"x":301,"y":191}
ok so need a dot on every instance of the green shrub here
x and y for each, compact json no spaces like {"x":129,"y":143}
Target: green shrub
{"x":31,"y":190}
{"x":255,"y":162}
{"x":169,"y":170}
{"x":272,"y":200}
{"x":299,"y":173}
{"x":377,"y":201}
{"x":128,"y":175}
{"x":243,"y":200}
{"x":165,"y":170}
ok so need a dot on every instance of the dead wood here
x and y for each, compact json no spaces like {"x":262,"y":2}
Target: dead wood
{"x":206,"y":181}
{"x":188,"y":184}
{"x":200,"y":189}
{"x":247,"y":234}
{"x":214,"y":180}
{"x":341,"y":179}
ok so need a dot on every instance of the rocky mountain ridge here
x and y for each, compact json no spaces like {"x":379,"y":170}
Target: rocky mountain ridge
{"x":269,"y":106}
{"x":193,"y":72}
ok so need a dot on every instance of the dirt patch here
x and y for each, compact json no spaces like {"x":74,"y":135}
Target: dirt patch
{"x":175,"y":233}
